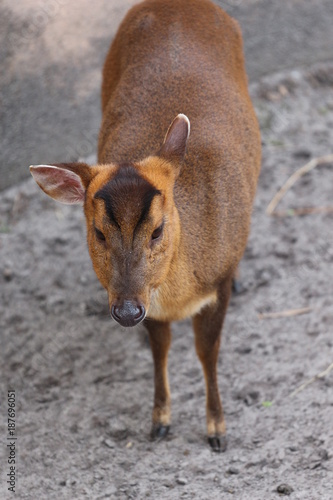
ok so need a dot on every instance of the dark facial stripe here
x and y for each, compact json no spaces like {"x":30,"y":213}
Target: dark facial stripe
{"x":147,"y":200}
{"x":106,"y":197}
{"x":127,"y":197}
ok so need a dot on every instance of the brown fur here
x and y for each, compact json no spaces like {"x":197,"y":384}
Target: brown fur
{"x":167,"y":59}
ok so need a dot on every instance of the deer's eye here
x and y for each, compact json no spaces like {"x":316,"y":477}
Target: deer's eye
{"x":99,"y":235}
{"x":157,"y":232}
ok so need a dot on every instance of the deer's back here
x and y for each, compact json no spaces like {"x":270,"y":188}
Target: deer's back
{"x":175,"y":56}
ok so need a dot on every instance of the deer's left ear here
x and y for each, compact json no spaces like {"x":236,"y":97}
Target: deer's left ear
{"x":64,"y":182}
{"x":175,"y":141}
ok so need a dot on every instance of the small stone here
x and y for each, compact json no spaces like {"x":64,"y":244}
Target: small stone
{"x":182,"y":481}
{"x":55,"y":300}
{"x":315,"y":465}
{"x":284,"y":489}
{"x":244,"y":349}
{"x":109,"y":443}
{"x":233,"y":471}
{"x":248,"y":396}
{"x":302,"y":154}
{"x":323,"y":454}
{"x":8,"y":274}
{"x":283,"y":90}
{"x":251,"y":398}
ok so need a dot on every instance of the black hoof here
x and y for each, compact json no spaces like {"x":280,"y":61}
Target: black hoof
{"x":218,"y":444}
{"x":159,"y":431}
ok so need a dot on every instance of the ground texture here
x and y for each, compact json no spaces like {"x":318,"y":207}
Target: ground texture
{"x":84,"y":386}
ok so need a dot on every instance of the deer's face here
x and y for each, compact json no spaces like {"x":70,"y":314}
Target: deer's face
{"x":132,"y":227}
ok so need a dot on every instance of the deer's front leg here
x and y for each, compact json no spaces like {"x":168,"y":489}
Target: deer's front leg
{"x":160,"y":340}
{"x":207,"y":325}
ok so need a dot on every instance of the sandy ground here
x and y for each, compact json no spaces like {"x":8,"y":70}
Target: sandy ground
{"x":84,"y":386}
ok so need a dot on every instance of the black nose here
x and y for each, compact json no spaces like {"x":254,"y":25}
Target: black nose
{"x":128,"y":313}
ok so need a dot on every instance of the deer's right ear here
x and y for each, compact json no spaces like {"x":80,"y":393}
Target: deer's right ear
{"x":64,"y":182}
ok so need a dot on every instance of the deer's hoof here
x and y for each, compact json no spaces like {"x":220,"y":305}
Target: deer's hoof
{"x":159,"y":431}
{"x":218,"y":443}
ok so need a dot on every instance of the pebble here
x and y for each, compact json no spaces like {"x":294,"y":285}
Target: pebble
{"x":302,"y":153}
{"x":98,"y":475}
{"x":8,"y":274}
{"x":323,"y":454}
{"x":284,"y":489}
{"x":109,"y":443}
{"x":55,"y":300}
{"x":232,"y":470}
{"x":243,"y":349}
{"x":182,"y":481}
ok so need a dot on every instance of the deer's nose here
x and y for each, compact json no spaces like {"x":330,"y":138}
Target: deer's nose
{"x":128,"y":312}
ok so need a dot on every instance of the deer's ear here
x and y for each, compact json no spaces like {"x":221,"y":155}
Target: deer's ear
{"x":64,"y":182}
{"x":175,"y":142}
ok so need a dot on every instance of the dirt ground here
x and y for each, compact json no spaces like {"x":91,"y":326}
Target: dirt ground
{"x":84,"y":386}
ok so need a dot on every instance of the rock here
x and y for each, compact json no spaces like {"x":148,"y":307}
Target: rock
{"x":8,"y":274}
{"x":244,"y":349}
{"x":303,"y":154}
{"x":55,"y":300}
{"x":284,"y":489}
{"x":232,"y":471}
{"x":98,"y":476}
{"x":248,"y":396}
{"x":109,"y":443}
{"x":323,"y":454}
{"x":182,"y":481}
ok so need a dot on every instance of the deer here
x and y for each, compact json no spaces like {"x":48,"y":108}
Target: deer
{"x":168,"y":203}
